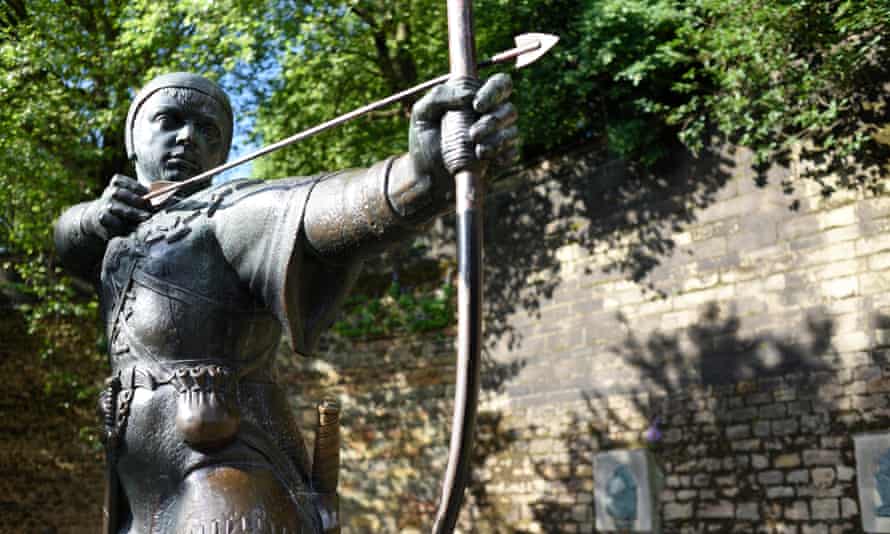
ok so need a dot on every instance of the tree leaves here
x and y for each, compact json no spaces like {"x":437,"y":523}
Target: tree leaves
{"x":68,"y":72}
{"x":635,"y":75}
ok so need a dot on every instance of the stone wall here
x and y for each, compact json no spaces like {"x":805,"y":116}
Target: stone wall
{"x":744,"y":327}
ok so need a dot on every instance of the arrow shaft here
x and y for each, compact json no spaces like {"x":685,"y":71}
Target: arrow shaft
{"x":501,"y":57}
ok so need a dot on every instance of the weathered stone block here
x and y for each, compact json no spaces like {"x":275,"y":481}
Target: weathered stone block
{"x":825,"y":508}
{"x":760,"y":398}
{"x":845,"y":473}
{"x":878,"y":385}
{"x":823,"y":477}
{"x":820,"y":493}
{"x":785,"y":394}
{"x":849,"y":508}
{"x":686,"y":495}
{"x":746,"y":445}
{"x":779,"y":492}
{"x":749,"y":511}
{"x":869,"y":402}
{"x":701,"y":480}
{"x":821,"y":457}
{"x":727,"y":480}
{"x":797,"y":511}
{"x":759,"y":461}
{"x":677,"y":511}
{"x":738,"y":432}
{"x":787,"y":461}
{"x":785,"y":427}
{"x":770,"y":478}
{"x":798,"y":407}
{"x":762,"y":429}
{"x":675,"y":481}
{"x":716,"y":510}
{"x":799,"y":476}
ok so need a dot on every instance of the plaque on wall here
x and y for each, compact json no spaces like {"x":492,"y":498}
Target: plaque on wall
{"x":873,"y":476}
{"x":627,"y":484}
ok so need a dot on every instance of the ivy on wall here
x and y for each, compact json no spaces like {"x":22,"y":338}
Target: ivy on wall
{"x":397,"y":312}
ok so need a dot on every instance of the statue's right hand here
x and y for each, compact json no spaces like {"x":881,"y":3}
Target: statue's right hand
{"x":119,"y":210}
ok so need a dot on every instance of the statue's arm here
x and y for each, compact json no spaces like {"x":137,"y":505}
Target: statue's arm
{"x":83,"y":231}
{"x":79,"y":250}
{"x":357,"y":213}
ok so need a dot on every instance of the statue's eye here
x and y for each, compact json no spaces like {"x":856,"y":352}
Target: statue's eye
{"x":210,"y":131}
{"x":165,"y":120}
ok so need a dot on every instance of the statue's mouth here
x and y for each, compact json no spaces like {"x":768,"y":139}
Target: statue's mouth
{"x":181,"y":159}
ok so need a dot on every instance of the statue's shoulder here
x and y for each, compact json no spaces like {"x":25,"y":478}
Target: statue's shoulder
{"x":235,"y":192}
{"x":242,"y":189}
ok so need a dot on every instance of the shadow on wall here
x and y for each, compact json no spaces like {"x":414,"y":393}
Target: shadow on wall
{"x":713,"y":351}
{"x":719,"y":443}
{"x":597,"y":203}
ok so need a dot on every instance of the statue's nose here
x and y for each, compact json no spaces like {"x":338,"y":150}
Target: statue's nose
{"x":186,"y":134}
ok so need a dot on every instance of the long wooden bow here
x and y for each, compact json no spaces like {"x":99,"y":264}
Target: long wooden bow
{"x":458,"y":153}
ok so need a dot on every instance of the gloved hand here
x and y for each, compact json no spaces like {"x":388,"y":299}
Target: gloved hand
{"x":493,"y":132}
{"x":118,"y":211}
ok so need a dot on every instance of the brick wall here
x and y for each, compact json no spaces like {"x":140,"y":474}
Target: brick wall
{"x":749,"y":325}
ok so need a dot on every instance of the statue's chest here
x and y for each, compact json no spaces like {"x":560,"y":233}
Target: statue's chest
{"x":168,"y":289}
{"x":177,"y":248}
{"x":180,"y":248}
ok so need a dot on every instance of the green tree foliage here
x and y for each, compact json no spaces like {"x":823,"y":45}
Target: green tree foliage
{"x":396,"y":312}
{"x":344,"y":56}
{"x":69,"y":71}
{"x":638,"y":75}
{"x":635,"y":75}
{"x":351,"y":53}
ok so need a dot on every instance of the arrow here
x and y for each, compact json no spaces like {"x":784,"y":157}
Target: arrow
{"x":529,"y":47}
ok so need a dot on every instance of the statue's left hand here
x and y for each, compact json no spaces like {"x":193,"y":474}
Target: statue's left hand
{"x":494,"y":132}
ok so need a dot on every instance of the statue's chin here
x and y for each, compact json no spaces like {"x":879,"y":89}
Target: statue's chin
{"x":178,"y":175}
{"x":181,"y":176}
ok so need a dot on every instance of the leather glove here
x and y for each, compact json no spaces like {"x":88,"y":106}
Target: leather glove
{"x":494,"y":131}
{"x":118,"y":211}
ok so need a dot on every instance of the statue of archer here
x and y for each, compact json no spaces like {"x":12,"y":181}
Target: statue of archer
{"x":197,"y":292}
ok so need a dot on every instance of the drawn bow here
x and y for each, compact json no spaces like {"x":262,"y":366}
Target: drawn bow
{"x":459,"y":157}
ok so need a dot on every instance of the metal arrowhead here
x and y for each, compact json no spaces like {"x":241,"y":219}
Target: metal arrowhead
{"x":545,"y":42}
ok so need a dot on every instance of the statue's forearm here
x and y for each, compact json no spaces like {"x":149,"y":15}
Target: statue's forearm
{"x":415,"y":198}
{"x":355,"y":214}
{"x":80,"y":252}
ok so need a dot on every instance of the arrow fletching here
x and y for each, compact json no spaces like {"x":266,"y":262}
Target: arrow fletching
{"x":160,"y":191}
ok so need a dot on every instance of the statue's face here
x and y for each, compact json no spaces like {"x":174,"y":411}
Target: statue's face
{"x":177,"y":134}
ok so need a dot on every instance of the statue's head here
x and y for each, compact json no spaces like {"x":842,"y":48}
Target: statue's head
{"x":178,"y":126}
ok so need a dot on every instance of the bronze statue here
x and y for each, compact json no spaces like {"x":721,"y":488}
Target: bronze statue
{"x":196,"y":294}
